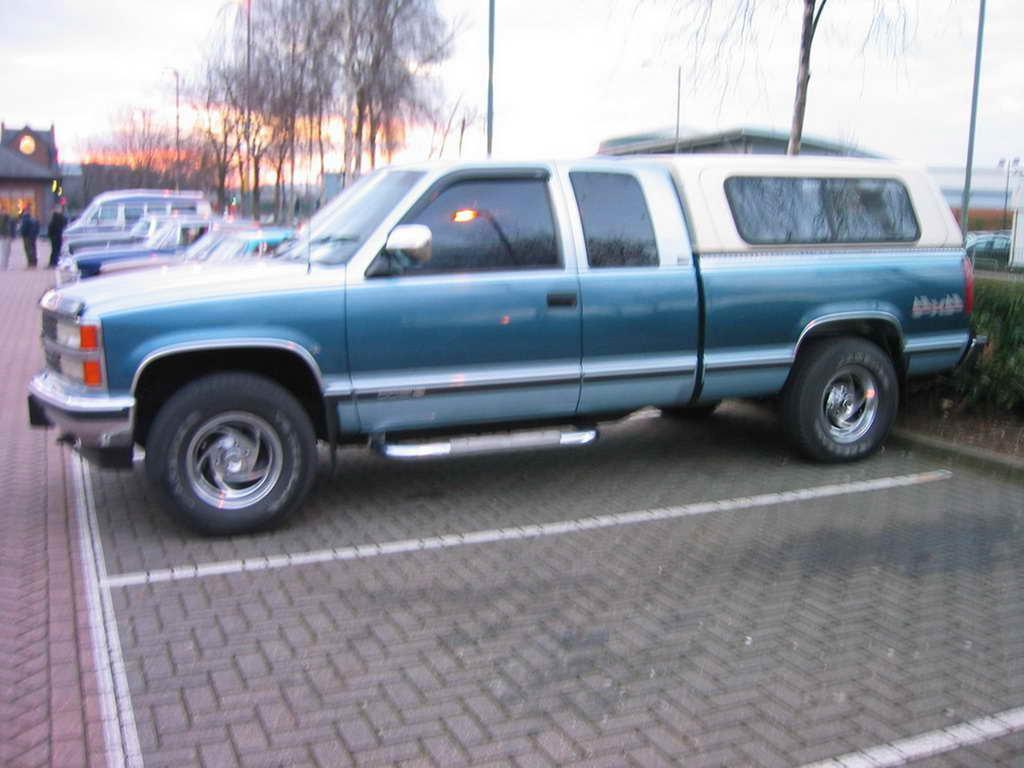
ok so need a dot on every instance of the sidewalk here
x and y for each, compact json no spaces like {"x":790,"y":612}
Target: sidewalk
{"x":49,"y":714}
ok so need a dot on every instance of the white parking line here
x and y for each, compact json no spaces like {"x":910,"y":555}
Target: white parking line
{"x":119,"y":734}
{"x":362,"y":551}
{"x":936,"y":742}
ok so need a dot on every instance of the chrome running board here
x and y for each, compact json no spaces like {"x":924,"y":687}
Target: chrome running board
{"x":474,"y":444}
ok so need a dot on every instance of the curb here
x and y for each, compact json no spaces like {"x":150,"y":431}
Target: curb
{"x":978,"y":457}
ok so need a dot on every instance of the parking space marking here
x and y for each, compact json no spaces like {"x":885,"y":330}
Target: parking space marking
{"x":119,"y":733}
{"x":932,"y":743}
{"x":363,"y":551}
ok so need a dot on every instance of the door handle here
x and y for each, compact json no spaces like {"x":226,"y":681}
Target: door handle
{"x":562,"y":299}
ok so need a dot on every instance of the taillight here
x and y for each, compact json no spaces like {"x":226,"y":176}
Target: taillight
{"x":968,"y":286}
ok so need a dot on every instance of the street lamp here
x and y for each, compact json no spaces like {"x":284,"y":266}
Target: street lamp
{"x":679,"y":98}
{"x":490,"y":78}
{"x":1012,"y":166}
{"x":965,"y":201}
{"x":177,"y":125}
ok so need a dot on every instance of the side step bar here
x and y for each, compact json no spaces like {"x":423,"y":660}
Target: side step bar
{"x":473,"y":444}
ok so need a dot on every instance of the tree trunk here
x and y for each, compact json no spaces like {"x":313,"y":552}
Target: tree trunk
{"x":357,"y":144}
{"x":803,"y":75}
{"x":373,"y":139}
{"x":257,"y":160}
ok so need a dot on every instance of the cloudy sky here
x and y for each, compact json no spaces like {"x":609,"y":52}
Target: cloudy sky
{"x":570,"y":73}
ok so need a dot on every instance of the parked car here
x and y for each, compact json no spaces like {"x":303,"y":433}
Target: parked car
{"x":170,"y":235}
{"x":432,"y":311}
{"x":989,"y":250}
{"x":117,"y":211}
{"x":139,"y":232}
{"x":220,"y":244}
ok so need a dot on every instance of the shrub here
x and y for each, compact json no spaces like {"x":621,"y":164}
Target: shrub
{"x":998,"y":379}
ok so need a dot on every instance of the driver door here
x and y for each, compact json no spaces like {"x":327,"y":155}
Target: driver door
{"x":485,"y":330}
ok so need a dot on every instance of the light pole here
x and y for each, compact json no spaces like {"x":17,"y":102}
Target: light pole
{"x":965,"y":202}
{"x":679,"y":100}
{"x":1012,"y":166}
{"x":490,"y":78}
{"x":248,"y":100}
{"x":177,"y":127}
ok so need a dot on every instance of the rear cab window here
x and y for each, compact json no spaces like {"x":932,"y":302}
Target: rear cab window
{"x":783,"y":210}
{"x":617,"y":227}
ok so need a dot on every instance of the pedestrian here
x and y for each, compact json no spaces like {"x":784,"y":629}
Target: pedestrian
{"x":6,"y":236}
{"x":55,"y":231}
{"x":28,"y":228}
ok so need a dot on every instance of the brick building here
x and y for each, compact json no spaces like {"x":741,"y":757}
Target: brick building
{"x":29,"y":170}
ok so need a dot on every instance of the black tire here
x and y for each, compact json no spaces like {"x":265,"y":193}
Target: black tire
{"x":692,"y":413}
{"x":218,"y":419}
{"x":824,"y":423}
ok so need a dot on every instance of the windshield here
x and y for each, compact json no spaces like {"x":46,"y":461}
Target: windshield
{"x":164,"y":235}
{"x":336,"y":232}
{"x":141,"y":228}
{"x":229,"y":248}
{"x":201,"y":248}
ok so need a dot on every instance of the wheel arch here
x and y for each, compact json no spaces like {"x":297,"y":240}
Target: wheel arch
{"x":163,"y":372}
{"x":882,"y":328}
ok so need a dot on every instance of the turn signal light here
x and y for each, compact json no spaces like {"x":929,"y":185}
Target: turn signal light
{"x":92,"y":374}
{"x":88,"y":337}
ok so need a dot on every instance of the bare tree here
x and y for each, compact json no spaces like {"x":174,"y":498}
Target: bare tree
{"x":730,"y":32}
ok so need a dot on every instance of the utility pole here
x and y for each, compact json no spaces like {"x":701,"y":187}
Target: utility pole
{"x":490,"y":80}
{"x":965,"y":202}
{"x":248,"y":102}
{"x":177,"y":129}
{"x":679,"y":94}
{"x":1011,"y":165}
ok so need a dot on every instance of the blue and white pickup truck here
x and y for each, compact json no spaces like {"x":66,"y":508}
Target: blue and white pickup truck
{"x":436,"y":310}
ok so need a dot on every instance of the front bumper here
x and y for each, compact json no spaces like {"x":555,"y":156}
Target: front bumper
{"x":93,"y":420}
{"x":974,"y":349}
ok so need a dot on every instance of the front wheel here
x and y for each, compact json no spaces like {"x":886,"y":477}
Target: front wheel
{"x":232,"y":453}
{"x":841,"y":399}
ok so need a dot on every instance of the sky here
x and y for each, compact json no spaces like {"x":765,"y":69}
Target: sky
{"x":570,"y":73}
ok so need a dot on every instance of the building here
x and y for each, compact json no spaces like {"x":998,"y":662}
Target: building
{"x":744,"y":140}
{"x":992,"y":194}
{"x":29,"y":170}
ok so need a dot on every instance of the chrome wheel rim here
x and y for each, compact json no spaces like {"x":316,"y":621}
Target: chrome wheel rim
{"x":850,"y":403}
{"x":234,"y":460}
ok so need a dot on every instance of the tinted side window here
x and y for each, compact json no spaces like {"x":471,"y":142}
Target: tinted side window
{"x":491,"y":224}
{"x":780,"y":210}
{"x":108,"y":213}
{"x":616,"y":223}
{"x":183,"y":207}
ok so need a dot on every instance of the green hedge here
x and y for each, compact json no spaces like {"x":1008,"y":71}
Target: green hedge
{"x":997,"y":382}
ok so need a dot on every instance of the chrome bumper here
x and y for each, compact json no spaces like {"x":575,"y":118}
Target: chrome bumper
{"x":94,"y":420}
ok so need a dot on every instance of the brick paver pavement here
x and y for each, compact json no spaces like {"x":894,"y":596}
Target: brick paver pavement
{"x":775,"y":635}
{"x":48,"y":711}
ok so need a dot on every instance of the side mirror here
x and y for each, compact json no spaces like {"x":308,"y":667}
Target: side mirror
{"x":414,"y":240}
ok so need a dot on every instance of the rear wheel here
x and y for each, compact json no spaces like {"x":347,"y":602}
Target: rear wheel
{"x":841,"y":399}
{"x":232,"y":453}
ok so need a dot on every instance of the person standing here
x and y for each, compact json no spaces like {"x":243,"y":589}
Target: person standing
{"x":6,"y":235}
{"x":28,"y":228}
{"x":55,"y":231}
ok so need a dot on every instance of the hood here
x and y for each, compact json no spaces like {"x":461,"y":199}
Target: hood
{"x":120,"y":251}
{"x":181,"y":284}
